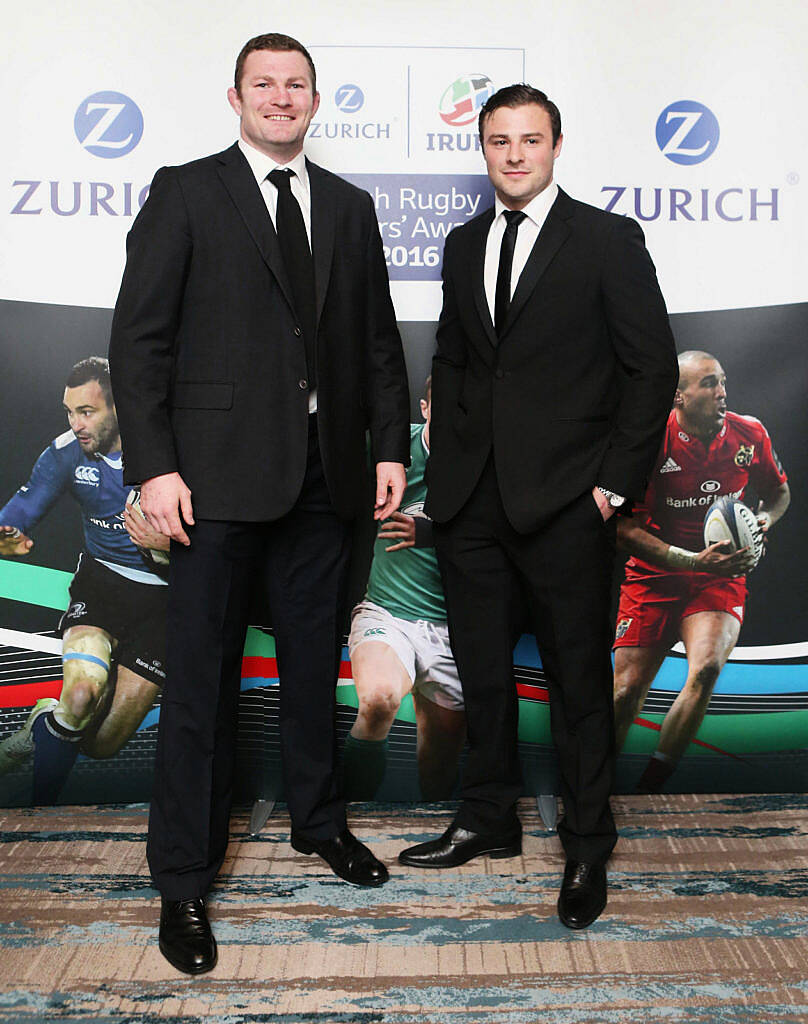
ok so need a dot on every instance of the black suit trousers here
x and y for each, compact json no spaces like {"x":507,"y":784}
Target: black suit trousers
{"x":302,"y":561}
{"x":564,"y":571}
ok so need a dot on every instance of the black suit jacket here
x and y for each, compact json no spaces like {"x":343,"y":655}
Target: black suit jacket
{"x":577,"y":390}
{"x":208,"y":363}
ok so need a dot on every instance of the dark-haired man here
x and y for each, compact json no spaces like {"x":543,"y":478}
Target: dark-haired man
{"x":675,"y":588}
{"x":552,"y":380}
{"x":113,"y":631}
{"x":253,"y":345}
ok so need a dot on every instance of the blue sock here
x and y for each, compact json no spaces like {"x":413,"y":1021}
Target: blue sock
{"x":55,"y":753}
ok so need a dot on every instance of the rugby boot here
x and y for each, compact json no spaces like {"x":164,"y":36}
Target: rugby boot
{"x":19,"y":746}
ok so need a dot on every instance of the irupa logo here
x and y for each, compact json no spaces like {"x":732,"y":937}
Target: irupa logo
{"x":459,"y":107}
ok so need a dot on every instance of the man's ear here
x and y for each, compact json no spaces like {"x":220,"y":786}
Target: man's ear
{"x":234,"y":100}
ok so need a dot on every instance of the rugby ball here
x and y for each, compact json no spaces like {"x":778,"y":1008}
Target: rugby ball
{"x":732,"y":521}
{"x":154,"y":557}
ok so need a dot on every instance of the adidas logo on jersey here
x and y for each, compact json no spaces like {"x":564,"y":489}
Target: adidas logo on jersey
{"x":669,"y":466}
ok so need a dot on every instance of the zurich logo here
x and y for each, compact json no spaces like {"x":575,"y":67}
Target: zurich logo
{"x":349,"y":98}
{"x":108,"y":124}
{"x":687,"y":132}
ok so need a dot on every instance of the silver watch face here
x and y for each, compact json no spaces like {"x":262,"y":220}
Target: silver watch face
{"x":615,"y":500}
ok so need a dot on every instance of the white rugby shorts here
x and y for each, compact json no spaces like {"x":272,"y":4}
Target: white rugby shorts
{"x":422,"y":647}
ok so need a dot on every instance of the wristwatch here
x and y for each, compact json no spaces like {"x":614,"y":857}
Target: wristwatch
{"x":615,"y":500}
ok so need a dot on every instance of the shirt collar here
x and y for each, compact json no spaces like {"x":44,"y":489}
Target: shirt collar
{"x":261,"y":164}
{"x":538,"y":207}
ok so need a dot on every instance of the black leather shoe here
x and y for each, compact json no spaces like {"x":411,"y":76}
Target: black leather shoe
{"x":346,"y":857}
{"x":458,"y":845}
{"x":583,"y":894}
{"x":186,"y":940}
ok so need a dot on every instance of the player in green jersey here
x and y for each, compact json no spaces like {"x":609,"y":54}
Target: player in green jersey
{"x":399,"y":644}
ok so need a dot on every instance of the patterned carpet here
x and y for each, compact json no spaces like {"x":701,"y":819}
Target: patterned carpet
{"x":707,"y":921}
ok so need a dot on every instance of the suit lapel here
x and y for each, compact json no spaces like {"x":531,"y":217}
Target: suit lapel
{"x":240,"y":182}
{"x":323,"y":232}
{"x":477,"y":248}
{"x":552,"y":236}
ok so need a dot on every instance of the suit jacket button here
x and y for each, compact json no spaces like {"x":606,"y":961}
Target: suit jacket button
{"x":499,"y":373}
{"x":302,"y":384}
{"x":298,"y":332}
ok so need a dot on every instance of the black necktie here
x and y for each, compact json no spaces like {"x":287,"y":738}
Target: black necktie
{"x":294,"y":243}
{"x":502,"y":298}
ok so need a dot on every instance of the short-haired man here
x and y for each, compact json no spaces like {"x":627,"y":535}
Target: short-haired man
{"x":113,"y":631}
{"x":399,"y":643}
{"x":253,"y":344}
{"x":674,"y":588}
{"x":552,"y":381}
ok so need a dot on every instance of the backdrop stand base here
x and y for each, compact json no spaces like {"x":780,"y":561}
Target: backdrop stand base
{"x":260,"y":814}
{"x":547,"y":806}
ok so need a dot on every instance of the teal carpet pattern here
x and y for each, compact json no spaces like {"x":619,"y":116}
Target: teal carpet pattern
{"x":707,"y":921}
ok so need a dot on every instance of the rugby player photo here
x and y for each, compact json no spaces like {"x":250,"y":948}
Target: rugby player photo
{"x":113,"y":631}
{"x":399,"y":644}
{"x":675,"y":587}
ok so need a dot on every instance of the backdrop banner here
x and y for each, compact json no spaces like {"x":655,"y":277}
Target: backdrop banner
{"x":677,"y":117}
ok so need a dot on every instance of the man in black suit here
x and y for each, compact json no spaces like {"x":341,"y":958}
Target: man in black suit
{"x":253,"y":345}
{"x":552,"y":381}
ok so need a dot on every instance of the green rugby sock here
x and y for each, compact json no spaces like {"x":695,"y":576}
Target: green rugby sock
{"x":363,"y":767}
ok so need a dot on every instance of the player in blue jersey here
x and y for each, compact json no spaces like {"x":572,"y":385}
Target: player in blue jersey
{"x":399,"y":643}
{"x":113,"y":631}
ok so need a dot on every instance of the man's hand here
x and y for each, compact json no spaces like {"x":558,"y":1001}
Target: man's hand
{"x":141,"y":533}
{"x":160,"y":498}
{"x":715,"y":559}
{"x":12,"y":542}
{"x":606,"y":510}
{"x":398,"y":525}
{"x":390,"y":483}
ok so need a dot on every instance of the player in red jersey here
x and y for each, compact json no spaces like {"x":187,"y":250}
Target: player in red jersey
{"x":674,"y":587}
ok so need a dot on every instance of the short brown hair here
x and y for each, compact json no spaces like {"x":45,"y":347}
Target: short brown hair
{"x":272,"y":41}
{"x":520,"y":95}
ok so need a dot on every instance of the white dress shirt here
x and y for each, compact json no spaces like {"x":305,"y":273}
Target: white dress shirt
{"x":261,"y":165}
{"x":536,"y":213}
